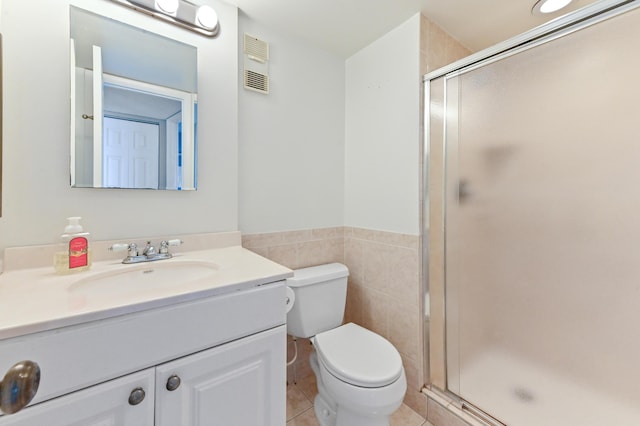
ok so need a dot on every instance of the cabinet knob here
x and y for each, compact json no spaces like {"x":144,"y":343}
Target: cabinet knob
{"x":173,"y":383}
{"x":137,"y":396}
{"x":19,"y":386}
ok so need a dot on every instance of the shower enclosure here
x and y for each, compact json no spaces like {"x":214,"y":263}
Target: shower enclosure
{"x":534,"y":223}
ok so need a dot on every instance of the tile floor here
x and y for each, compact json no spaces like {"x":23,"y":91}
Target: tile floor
{"x":300,"y":407}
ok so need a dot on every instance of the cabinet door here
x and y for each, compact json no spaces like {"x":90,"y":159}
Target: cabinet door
{"x":242,"y":383}
{"x":106,"y":404}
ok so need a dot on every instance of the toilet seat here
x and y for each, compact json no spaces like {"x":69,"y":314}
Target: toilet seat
{"x":358,"y":356}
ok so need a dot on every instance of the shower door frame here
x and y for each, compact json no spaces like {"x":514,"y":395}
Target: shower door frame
{"x":434,"y":172}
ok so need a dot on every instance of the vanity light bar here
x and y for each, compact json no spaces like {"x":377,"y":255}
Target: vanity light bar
{"x":201,"y":19}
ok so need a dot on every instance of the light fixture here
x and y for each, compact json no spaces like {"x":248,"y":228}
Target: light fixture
{"x":544,"y":7}
{"x":201,"y":19}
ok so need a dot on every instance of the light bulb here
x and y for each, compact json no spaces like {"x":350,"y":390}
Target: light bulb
{"x":543,"y":7}
{"x":168,"y":6}
{"x":207,"y":17}
{"x":551,"y":6}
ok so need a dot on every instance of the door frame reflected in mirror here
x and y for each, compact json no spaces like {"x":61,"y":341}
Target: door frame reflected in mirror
{"x":175,"y":143}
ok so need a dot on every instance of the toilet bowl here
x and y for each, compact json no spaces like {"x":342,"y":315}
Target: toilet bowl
{"x":360,"y":377}
{"x":363,"y":371}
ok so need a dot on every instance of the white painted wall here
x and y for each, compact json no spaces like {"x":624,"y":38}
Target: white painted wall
{"x":266,"y":163}
{"x":36,"y":192}
{"x":291,"y":142}
{"x":383,"y":133}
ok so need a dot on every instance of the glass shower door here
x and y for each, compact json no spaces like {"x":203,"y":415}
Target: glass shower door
{"x":542,"y":229}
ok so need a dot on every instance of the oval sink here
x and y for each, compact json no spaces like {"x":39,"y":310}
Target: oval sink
{"x":146,"y":276}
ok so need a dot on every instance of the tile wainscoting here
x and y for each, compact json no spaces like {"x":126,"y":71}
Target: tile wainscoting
{"x":385,"y":295}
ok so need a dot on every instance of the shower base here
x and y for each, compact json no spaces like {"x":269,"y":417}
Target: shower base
{"x":518,"y":392}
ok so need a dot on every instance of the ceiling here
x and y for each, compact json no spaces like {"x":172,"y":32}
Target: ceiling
{"x":346,"y":26}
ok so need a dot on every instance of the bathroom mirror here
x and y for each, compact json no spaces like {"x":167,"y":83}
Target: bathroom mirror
{"x":134,"y":106}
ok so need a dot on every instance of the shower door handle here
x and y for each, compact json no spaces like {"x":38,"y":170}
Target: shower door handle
{"x":464,"y":191}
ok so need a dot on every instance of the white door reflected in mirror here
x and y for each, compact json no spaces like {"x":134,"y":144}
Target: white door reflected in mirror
{"x":130,"y":154}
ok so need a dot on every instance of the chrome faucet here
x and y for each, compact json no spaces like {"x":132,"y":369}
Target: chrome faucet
{"x":149,"y":250}
{"x":149,"y":254}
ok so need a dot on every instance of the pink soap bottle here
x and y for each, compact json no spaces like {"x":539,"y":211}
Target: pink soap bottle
{"x":73,"y":255}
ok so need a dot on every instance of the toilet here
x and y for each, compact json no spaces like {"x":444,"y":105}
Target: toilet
{"x":360,"y":377}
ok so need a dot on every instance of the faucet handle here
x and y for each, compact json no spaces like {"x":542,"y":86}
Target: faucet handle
{"x":164,"y":245}
{"x":175,"y":242}
{"x":133,"y":248}
{"x":119,"y":247}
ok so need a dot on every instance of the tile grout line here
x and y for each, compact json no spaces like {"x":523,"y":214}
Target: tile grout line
{"x":300,"y":414}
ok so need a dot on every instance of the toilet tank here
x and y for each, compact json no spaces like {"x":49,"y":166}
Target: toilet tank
{"x":320,"y":296}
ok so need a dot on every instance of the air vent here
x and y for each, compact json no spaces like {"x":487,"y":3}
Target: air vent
{"x":256,"y":64}
{"x":256,"y":81}
{"x":256,"y":49}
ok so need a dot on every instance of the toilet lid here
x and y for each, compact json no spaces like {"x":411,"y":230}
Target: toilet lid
{"x":358,"y":356}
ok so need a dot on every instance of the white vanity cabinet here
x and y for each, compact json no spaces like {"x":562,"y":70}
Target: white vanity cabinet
{"x":229,"y":385}
{"x":101,"y":405}
{"x":217,"y":360}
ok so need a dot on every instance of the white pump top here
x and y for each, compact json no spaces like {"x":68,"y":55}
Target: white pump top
{"x":73,"y":227}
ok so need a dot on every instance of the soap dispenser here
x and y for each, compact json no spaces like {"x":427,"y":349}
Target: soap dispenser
{"x":74,"y":254}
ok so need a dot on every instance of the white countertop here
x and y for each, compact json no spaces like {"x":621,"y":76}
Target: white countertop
{"x":36,"y":299}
